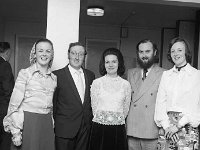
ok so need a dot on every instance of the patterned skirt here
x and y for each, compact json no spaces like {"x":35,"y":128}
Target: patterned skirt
{"x":188,"y":136}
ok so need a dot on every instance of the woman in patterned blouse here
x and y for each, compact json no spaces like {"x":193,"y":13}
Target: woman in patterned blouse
{"x":110,"y":99}
{"x":29,"y":116}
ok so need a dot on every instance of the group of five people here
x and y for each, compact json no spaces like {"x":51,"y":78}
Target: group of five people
{"x":68,"y":109}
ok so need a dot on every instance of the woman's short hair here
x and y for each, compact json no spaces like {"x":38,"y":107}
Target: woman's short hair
{"x":116,"y":52}
{"x":33,"y":52}
{"x":188,"y":54}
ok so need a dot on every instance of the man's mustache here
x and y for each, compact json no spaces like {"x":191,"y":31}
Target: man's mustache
{"x":145,"y":58}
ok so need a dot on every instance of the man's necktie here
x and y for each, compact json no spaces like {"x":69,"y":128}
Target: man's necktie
{"x":80,"y":86}
{"x":144,"y":74}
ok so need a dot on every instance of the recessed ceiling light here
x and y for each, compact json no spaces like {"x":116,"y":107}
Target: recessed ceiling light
{"x":95,"y":11}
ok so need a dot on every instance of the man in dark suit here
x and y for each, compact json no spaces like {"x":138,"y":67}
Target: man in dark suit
{"x":141,"y":129}
{"x":6,"y":87}
{"x":72,"y":103}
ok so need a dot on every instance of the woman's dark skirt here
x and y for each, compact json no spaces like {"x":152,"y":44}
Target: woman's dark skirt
{"x":38,"y":133}
{"x":108,"y":137}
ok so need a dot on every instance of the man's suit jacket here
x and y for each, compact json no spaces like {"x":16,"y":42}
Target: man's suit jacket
{"x":6,"y":88}
{"x":6,"y":85}
{"x":69,"y":110}
{"x":140,"y":120}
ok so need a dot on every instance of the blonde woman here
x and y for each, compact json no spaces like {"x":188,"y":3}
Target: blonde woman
{"x":29,"y":116}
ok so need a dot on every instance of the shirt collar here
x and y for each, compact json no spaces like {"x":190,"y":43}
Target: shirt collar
{"x":188,"y":69}
{"x":148,"y":70}
{"x":35,"y":69}
{"x":73,"y":71}
{"x":3,"y":58}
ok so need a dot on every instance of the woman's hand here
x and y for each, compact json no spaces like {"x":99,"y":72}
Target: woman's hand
{"x":175,"y":138}
{"x":17,"y":139}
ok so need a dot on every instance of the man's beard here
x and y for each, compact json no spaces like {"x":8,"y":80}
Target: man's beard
{"x":147,"y":64}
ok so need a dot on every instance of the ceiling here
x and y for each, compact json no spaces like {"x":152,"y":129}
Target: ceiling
{"x":133,"y":13}
{"x":139,"y":14}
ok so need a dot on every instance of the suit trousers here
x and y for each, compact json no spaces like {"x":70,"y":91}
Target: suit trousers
{"x":79,"y":142}
{"x":142,"y":144}
{"x":5,"y":138}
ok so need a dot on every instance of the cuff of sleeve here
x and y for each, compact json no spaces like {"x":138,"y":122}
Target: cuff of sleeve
{"x":165,"y":124}
{"x":18,"y":119}
{"x":183,"y":121}
{"x":15,"y":131}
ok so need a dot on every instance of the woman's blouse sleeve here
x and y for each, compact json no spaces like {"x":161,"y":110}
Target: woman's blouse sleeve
{"x":127,"y":99}
{"x":95,"y":88}
{"x":161,"y":118}
{"x":13,"y":121}
{"x":192,"y":115}
{"x":192,"y":118}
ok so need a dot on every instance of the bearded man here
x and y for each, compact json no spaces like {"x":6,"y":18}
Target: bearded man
{"x":141,"y":129}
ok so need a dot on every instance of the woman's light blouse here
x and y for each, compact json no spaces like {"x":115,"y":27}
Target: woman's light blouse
{"x":179,"y":91}
{"x":110,"y":99}
{"x":33,"y":92}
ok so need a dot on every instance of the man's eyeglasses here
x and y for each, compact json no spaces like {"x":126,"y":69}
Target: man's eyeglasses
{"x":77,"y":54}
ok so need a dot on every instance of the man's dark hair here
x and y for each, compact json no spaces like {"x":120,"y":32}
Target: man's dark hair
{"x":76,"y":44}
{"x":4,"y":46}
{"x":156,"y":57}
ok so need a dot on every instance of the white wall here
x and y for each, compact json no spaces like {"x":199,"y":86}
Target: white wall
{"x":62,"y":28}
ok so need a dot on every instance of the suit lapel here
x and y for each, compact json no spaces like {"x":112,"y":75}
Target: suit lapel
{"x":148,"y":82}
{"x":86,"y":86}
{"x":72,"y":84}
{"x":1,"y":60}
{"x":138,"y":79}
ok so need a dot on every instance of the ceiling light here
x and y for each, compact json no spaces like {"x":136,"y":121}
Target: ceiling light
{"x":95,"y":11}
